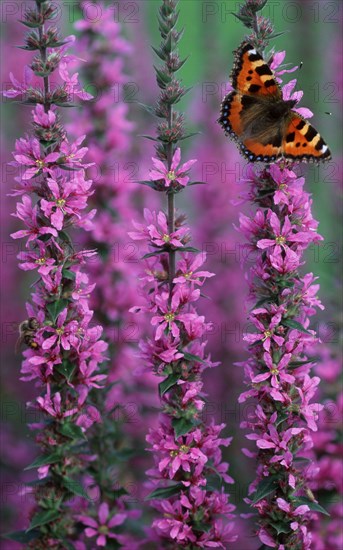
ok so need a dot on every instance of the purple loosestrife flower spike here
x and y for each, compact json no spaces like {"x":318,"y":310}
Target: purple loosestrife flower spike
{"x":187,"y":449}
{"x":65,"y":352}
{"x":108,"y":132}
{"x":278,"y":371}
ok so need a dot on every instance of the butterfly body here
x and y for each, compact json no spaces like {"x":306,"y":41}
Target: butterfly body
{"x":263,"y":124}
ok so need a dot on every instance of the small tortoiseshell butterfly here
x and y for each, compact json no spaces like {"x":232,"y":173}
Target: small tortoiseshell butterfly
{"x":261,"y":122}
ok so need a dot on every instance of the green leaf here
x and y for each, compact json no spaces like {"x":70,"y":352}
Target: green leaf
{"x":75,"y":487}
{"x":294,"y":324}
{"x":149,"y":137}
{"x":296,"y":364}
{"x":314,"y":506}
{"x":152,"y":184}
{"x":188,"y":136}
{"x":67,"y":274}
{"x":201,"y":526}
{"x":151,"y":110}
{"x":245,"y":20}
{"x":192,"y":357}
{"x":280,"y":527}
{"x":281,"y":417}
{"x":276,"y":34}
{"x":182,"y":426}
{"x":187,"y":249}
{"x":265,"y":488}
{"x":196,"y":183}
{"x":43,"y":460}
{"x":160,"y":54}
{"x":153,"y":254}
{"x":72,"y":431}
{"x":162,"y":76}
{"x":55,"y":308}
{"x":66,"y":369}
{"x":165,"y":492}
{"x":168,"y":383}
{"x":21,"y":536}
{"x":42,"y":518}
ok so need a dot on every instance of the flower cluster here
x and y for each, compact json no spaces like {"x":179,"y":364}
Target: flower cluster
{"x":108,"y":131}
{"x":278,"y":369}
{"x":65,"y":350}
{"x":189,"y":474}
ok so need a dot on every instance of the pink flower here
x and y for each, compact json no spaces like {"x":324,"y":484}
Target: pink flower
{"x":42,"y":118}
{"x":283,"y":236}
{"x":102,"y":528}
{"x":173,"y":175}
{"x":278,"y":442}
{"x":174,"y":523}
{"x":37,"y":260}
{"x":29,"y":214}
{"x":160,"y":236}
{"x":71,"y":84}
{"x":67,"y":199}
{"x":28,"y":153}
{"x":18,"y":88}
{"x":187,"y":270}
{"x":63,"y":334}
{"x":287,"y":508}
{"x":168,"y":315}
{"x":288,"y":94}
{"x":267,"y":334}
{"x":54,"y":406}
{"x":276,"y":372}
{"x":72,"y":155}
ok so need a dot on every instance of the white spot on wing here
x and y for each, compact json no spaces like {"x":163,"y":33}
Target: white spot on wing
{"x":324,"y":148}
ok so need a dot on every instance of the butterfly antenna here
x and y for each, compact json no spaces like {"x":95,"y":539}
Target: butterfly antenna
{"x":327,"y":113}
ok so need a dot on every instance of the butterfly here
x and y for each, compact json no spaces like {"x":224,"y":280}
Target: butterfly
{"x":256,"y":116}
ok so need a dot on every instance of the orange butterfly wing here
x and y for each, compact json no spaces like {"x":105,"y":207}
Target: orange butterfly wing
{"x":255,"y":86}
{"x":251,"y":75}
{"x":303,"y":142}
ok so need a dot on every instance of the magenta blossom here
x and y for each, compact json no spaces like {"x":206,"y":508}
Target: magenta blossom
{"x":277,"y":373}
{"x":29,"y":214}
{"x":101,"y":528}
{"x":160,"y":235}
{"x":28,"y":154}
{"x":168,"y":315}
{"x":175,"y":174}
{"x":188,"y":270}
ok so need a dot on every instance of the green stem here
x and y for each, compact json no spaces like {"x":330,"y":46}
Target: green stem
{"x":171,"y":210}
{"x":43,"y":56}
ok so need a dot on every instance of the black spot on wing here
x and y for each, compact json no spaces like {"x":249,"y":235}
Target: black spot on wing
{"x":270,"y":82}
{"x":301,"y":124}
{"x":254,"y":88}
{"x":320,"y":144}
{"x":311,"y":133}
{"x":263,"y":70}
{"x":290,"y":137}
{"x":245,"y":47}
{"x":254,"y":57}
